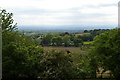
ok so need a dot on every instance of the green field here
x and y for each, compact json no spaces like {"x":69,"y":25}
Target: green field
{"x":29,"y":34}
{"x":87,"y":42}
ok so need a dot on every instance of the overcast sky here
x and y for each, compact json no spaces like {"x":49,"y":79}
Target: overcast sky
{"x":62,"y":12}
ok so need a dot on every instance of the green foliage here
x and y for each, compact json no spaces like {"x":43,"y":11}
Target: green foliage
{"x":7,"y":21}
{"x":96,"y":32}
{"x":87,"y":37}
{"x":83,"y":67}
{"x":20,"y":56}
{"x":87,"y":42}
{"x":77,"y":41}
{"x":93,"y":64}
{"x":57,"y":65}
{"x":57,"y":41}
{"x":82,"y":63}
{"x":66,"y":40}
{"x":47,"y":39}
{"x":106,"y":51}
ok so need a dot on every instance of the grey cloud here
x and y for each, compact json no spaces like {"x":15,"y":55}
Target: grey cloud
{"x":101,"y":5}
{"x":84,"y":16}
{"x":21,"y":11}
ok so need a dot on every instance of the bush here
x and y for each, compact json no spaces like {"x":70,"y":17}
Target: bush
{"x":21,"y":54}
{"x":57,"y":65}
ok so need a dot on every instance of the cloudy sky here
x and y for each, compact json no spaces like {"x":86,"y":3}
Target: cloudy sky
{"x":62,"y":12}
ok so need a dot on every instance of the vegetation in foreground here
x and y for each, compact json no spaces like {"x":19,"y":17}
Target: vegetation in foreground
{"x":22,"y":58}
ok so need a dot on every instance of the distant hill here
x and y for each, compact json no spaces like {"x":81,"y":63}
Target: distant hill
{"x":70,"y":28}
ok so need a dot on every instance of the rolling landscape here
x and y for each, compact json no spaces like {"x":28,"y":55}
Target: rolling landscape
{"x":69,"y":28}
{"x":80,"y":41}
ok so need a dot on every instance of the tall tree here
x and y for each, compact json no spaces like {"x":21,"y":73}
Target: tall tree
{"x":20,"y":56}
{"x":106,"y":51}
{"x":7,"y":21}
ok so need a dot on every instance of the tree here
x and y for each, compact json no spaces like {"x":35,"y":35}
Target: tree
{"x":57,"y":65}
{"x":83,"y":69}
{"x":86,"y":37}
{"x":47,"y":39}
{"x":63,"y":34}
{"x":106,"y":51}
{"x":85,"y":31}
{"x":7,"y":21}
{"x":20,"y":56}
{"x":57,"y":41}
{"x":77,"y":41}
{"x":66,"y":40}
{"x":44,"y":42}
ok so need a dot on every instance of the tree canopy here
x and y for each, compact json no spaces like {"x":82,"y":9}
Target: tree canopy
{"x":106,"y":51}
{"x":19,"y":55}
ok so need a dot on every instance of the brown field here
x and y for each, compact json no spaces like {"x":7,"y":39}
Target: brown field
{"x":71,"y":49}
{"x":82,"y":34}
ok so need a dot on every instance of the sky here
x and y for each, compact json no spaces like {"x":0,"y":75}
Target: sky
{"x":62,"y":12}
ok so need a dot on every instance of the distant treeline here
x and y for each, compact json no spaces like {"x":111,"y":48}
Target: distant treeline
{"x":65,"y":38}
{"x":50,"y":31}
